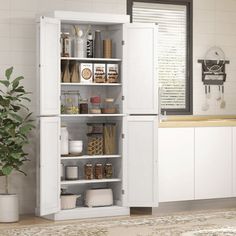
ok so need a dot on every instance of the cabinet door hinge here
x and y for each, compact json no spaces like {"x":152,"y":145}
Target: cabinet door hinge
{"x":60,"y":137}
{"x":123,"y":42}
{"x":123,"y":136}
{"x":123,"y":98}
{"x":123,"y":191}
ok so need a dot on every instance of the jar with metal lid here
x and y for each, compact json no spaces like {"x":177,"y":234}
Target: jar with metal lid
{"x":88,"y":171}
{"x":66,"y":44}
{"x":98,"y":171}
{"x":108,"y":170}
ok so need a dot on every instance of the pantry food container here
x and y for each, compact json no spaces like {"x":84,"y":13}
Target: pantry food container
{"x":72,"y":172}
{"x":75,"y":147}
{"x":109,"y":106}
{"x":98,"y":197}
{"x":95,"y":144}
{"x":68,"y":201}
{"x":95,"y":128}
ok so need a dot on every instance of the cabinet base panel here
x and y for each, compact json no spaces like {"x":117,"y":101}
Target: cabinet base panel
{"x":85,"y":212}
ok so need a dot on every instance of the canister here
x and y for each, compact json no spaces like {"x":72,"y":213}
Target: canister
{"x":72,"y":172}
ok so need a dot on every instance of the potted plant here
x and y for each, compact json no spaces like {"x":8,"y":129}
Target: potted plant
{"x":15,"y":125}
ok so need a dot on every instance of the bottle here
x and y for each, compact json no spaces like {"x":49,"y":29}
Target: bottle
{"x":98,"y":44}
{"x":90,"y":46}
{"x":80,"y":45}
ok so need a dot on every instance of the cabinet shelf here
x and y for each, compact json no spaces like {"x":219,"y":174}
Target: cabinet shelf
{"x":91,"y":59}
{"x":91,"y":115}
{"x":89,"y":157}
{"x":91,"y":84}
{"x":84,"y":181}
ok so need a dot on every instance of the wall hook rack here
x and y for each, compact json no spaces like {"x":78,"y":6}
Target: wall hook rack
{"x":213,"y":71}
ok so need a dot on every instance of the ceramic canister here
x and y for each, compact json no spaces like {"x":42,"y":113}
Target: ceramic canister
{"x":72,"y":172}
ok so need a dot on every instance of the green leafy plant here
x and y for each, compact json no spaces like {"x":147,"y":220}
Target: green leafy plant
{"x":15,"y":125}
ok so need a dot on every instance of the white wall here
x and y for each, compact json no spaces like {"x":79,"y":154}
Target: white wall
{"x":214,"y":24}
{"x":17,"y":48}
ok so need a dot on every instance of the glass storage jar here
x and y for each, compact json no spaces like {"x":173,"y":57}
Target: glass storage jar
{"x":88,"y":171}
{"x":72,"y":100}
{"x":108,"y":170}
{"x":109,"y":106}
{"x":95,"y":105}
{"x":98,"y":171}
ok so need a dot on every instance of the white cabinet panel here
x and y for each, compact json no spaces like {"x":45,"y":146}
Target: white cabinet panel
{"x":213,"y":162}
{"x":140,"y":161}
{"x":234,"y":160}
{"x":176,"y":164}
{"x":49,"y":66}
{"x":139,"y":73}
{"x":49,"y":190}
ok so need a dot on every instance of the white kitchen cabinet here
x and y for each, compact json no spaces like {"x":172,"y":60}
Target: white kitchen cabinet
{"x":126,"y":191}
{"x":140,"y":58}
{"x":213,"y":162}
{"x":176,"y":164}
{"x":140,"y":170}
{"x":49,"y":165}
{"x":49,"y":67}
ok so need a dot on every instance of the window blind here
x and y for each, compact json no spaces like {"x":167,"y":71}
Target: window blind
{"x":172,"y":47}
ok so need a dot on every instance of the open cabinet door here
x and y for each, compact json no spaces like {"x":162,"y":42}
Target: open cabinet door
{"x":139,"y":71}
{"x":48,"y":66}
{"x":49,"y":166}
{"x":140,"y":161}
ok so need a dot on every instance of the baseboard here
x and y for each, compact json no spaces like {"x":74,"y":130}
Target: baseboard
{"x":196,"y":205}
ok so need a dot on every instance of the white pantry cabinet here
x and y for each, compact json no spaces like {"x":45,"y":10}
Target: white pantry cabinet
{"x":176,"y":164}
{"x":140,"y":170}
{"x":213,"y":162}
{"x":135,"y":161}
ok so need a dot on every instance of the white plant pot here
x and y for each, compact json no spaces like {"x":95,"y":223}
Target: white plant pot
{"x":9,"y":208}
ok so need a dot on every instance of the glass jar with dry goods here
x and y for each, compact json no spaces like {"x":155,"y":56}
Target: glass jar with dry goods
{"x":65,"y":44}
{"x":108,"y":170}
{"x":95,"y":144}
{"x":72,"y":100}
{"x":98,"y":171}
{"x":83,"y":106}
{"x":88,"y":171}
{"x":109,"y":106}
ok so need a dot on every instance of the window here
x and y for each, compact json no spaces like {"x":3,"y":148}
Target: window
{"x":174,"y":19}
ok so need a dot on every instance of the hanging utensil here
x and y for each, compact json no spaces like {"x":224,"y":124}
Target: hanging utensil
{"x":209,"y":92}
{"x":218,"y":98}
{"x":205,"y":106}
{"x":223,"y":103}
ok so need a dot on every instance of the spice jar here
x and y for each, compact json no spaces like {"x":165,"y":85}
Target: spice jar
{"x":98,"y":171}
{"x":108,"y":170}
{"x":88,"y":171}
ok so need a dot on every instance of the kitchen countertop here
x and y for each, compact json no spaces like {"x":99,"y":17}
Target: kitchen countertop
{"x":198,"y":121}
